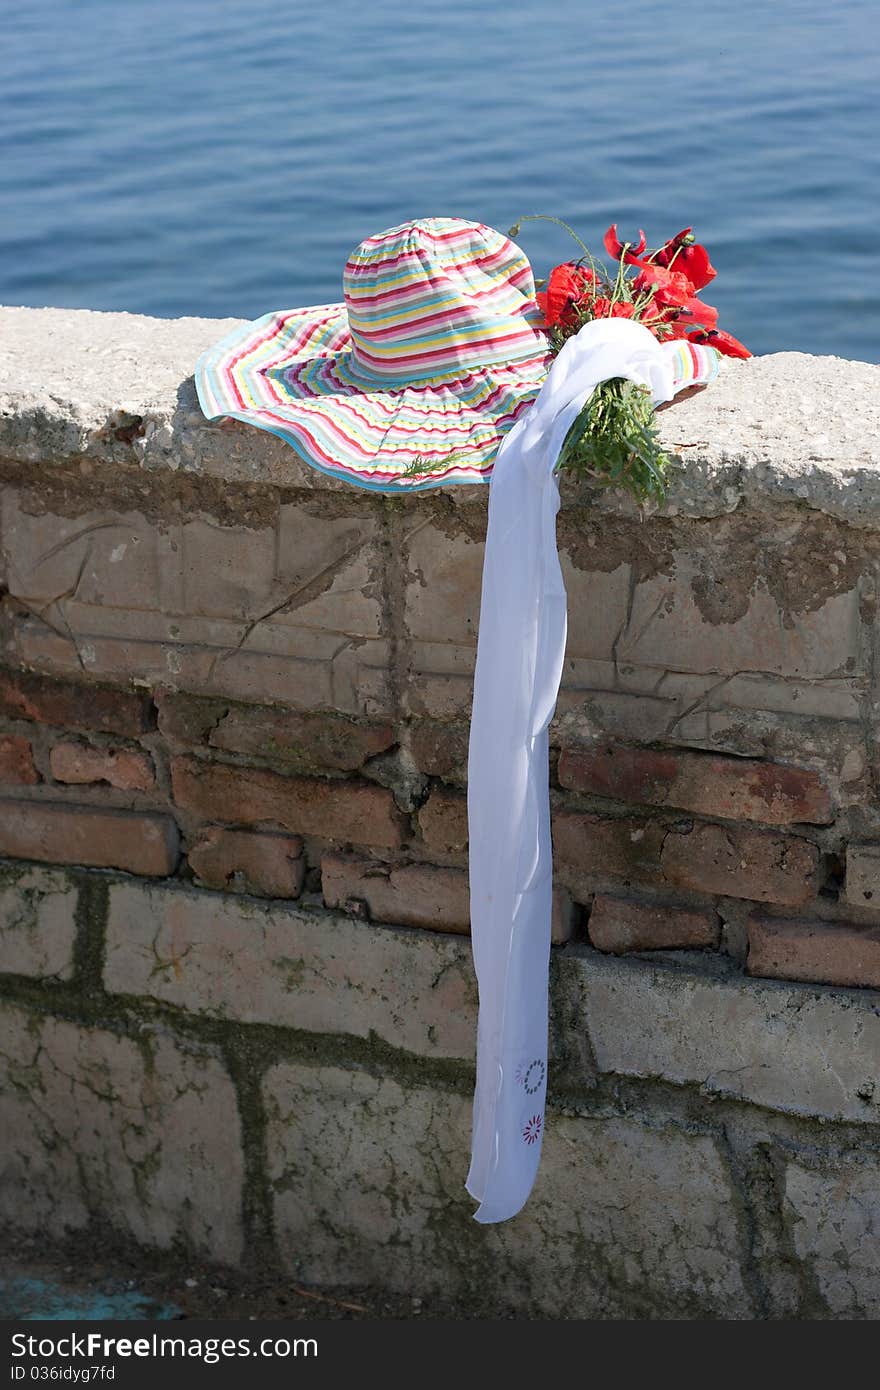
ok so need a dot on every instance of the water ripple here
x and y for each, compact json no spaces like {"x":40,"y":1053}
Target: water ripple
{"x":195,"y":157}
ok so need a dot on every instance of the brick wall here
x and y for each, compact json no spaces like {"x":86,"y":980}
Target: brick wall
{"x":234,"y":708}
{"x":656,"y":846}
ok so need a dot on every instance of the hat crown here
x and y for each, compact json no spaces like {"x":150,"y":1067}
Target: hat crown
{"x":439,"y":297}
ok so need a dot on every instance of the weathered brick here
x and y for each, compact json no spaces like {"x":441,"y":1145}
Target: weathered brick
{"x":862,"y":883}
{"x":584,"y":713}
{"x":792,"y":1047}
{"x":741,"y":863}
{"x":78,"y":763}
{"x":24,"y":695}
{"x":619,"y":925}
{"x":242,"y":861}
{"x":443,"y":821}
{"x":291,"y":738}
{"x":417,"y":895}
{"x":623,"y":847}
{"x":235,"y":958}
{"x":17,"y":761}
{"x":139,"y":843}
{"x":736,"y":861}
{"x":141,"y":1133}
{"x":439,"y":750}
{"x":301,"y":740}
{"x":830,"y":953}
{"x":187,"y":720}
{"x":734,"y":788}
{"x":347,"y":811}
{"x":412,"y":895}
{"x":565,"y":916}
{"x":37,"y":923}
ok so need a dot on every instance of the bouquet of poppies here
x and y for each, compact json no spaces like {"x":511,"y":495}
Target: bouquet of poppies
{"x":614,"y":440}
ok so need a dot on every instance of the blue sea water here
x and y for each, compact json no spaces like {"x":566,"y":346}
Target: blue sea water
{"x":222,"y":157}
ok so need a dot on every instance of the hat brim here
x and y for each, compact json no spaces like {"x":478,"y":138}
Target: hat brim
{"x":292,"y":373}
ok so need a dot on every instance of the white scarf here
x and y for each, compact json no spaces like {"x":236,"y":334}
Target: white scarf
{"x":520,"y":652}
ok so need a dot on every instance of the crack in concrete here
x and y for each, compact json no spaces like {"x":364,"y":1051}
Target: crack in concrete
{"x":68,"y":541}
{"x":310,"y":588}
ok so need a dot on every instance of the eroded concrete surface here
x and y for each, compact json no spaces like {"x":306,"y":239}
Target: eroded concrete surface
{"x":117,"y":385}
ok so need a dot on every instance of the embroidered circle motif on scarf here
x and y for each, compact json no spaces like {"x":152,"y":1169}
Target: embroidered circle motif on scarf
{"x":532,"y":1076}
{"x":532,"y":1129}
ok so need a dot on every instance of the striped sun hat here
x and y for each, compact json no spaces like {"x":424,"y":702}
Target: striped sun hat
{"x":410,"y":383}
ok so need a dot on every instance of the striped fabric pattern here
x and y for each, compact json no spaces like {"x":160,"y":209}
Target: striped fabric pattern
{"x":693,"y":364}
{"x":439,"y":298}
{"x":414,"y":380}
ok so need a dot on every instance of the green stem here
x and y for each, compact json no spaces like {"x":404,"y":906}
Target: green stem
{"x":546,"y":217}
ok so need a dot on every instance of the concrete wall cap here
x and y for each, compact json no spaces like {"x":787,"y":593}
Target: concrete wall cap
{"x":119,"y":386}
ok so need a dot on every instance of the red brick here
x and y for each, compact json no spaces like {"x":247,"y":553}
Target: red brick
{"x":141,"y":844}
{"x":301,"y":740}
{"x":708,"y":785}
{"x":440,"y":750}
{"x":416,"y":895}
{"x":290,"y":738}
{"x":347,"y":811}
{"x":411,"y":895}
{"x":17,"y":761}
{"x":443,"y":821}
{"x":126,"y":768}
{"x":187,"y":720}
{"x":741,"y":863}
{"x":24,"y":695}
{"x":735,"y":861}
{"x":619,"y":925}
{"x":831,"y":953}
{"x":623,"y":847}
{"x":243,"y":861}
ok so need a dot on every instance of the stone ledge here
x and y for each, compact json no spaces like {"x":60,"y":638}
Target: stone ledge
{"x":118,"y":387}
{"x":243,"y":960}
{"x":695,"y":1019}
{"x":806,"y":1050}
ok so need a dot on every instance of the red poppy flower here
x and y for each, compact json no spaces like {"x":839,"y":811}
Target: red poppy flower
{"x":600,"y":307}
{"x":682,"y":238}
{"x":567,"y":285}
{"x":671,"y":287}
{"x":688,"y":256}
{"x":615,"y":247}
{"x":673,"y":290}
{"x":696,"y":312}
{"x":724,"y":342}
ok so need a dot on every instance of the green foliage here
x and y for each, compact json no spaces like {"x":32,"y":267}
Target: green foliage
{"x":614,"y":441}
